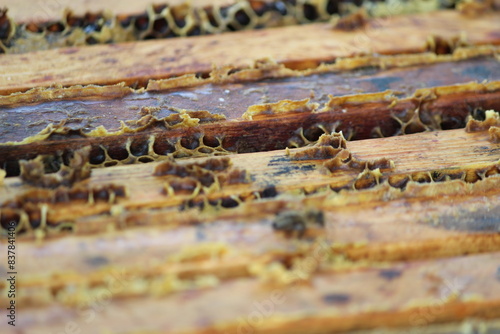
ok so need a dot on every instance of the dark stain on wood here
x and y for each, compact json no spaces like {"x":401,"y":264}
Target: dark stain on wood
{"x":97,"y":261}
{"x":481,"y":220}
{"x":390,"y":274}
{"x":336,"y":298}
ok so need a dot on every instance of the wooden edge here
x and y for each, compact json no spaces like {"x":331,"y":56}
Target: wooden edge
{"x":139,"y":62}
{"x":400,"y":295}
{"x":37,"y":11}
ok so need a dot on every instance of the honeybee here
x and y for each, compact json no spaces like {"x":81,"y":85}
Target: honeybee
{"x":297,"y":221}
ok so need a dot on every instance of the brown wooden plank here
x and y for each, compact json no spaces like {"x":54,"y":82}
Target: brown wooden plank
{"x":402,"y":295}
{"x":417,"y":152}
{"x":176,"y":19}
{"x":385,"y":224}
{"x":36,"y":110}
{"x":358,"y":116}
{"x":490,"y":326}
{"x":409,"y":237}
{"x":139,"y":62}
{"x":36,"y":11}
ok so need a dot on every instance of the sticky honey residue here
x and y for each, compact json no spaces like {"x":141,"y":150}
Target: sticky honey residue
{"x":179,"y":119}
{"x":274,"y":273}
{"x":338,"y":103}
{"x":388,"y":98}
{"x":307,"y":262}
{"x":184,"y":81}
{"x":58,"y":92}
{"x":279,"y":108}
{"x":201,"y":252}
{"x":84,"y":293}
{"x":267,"y":68}
{"x":261,"y":69}
{"x":399,"y":7}
{"x":166,"y":284}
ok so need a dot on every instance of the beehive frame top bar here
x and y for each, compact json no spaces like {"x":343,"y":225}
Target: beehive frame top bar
{"x":139,"y":61}
{"x":38,"y":11}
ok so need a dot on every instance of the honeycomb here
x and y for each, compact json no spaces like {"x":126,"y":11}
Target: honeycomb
{"x":207,"y":176}
{"x":33,"y":209}
{"x":333,"y":149}
{"x":33,"y":171}
{"x":494,"y":132}
{"x":370,"y":178}
{"x":163,"y":21}
{"x":198,"y":133}
{"x":324,"y":196}
{"x":490,"y":119}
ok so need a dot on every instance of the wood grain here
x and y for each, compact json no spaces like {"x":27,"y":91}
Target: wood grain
{"x":229,"y":99}
{"x":413,"y":294}
{"x":37,"y":11}
{"x":406,"y":231}
{"x":138,"y":62}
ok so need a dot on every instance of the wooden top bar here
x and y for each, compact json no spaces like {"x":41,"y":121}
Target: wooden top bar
{"x":137,"y":62}
{"x":42,"y":11}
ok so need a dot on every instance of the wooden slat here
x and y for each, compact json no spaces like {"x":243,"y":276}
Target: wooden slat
{"x":406,"y":294}
{"x":391,"y":230}
{"x":36,"y":11}
{"x":231,"y":99}
{"x":417,"y":152}
{"x":489,"y":326}
{"x":141,"y":61}
{"x":403,"y":256}
{"x":358,"y":116}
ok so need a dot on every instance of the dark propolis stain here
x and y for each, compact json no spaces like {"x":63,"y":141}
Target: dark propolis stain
{"x":69,"y":51}
{"x":481,"y":220}
{"x":200,"y":233}
{"x":97,"y":261}
{"x":479,"y":70}
{"x":390,"y":274}
{"x":284,"y":168}
{"x":336,"y":298}
{"x":488,"y":150}
{"x":384,"y":83}
{"x":110,"y":61}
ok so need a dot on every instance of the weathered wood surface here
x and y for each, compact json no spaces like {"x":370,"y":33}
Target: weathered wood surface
{"x":186,"y":244}
{"x":290,"y":129}
{"x":449,"y":289}
{"x":37,"y":11}
{"x":122,"y":23}
{"x":376,"y":224}
{"x":232,"y":253}
{"x":138,"y":62}
{"x":231,"y":99}
{"x":227,"y":108}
